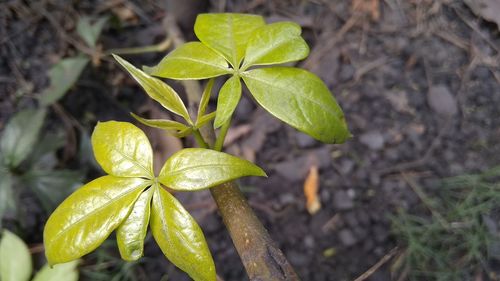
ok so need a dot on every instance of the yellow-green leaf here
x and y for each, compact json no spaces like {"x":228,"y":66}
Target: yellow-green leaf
{"x":180,"y":238}
{"x":164,"y":124}
{"x":199,"y":168}
{"x":205,"y":98}
{"x":86,"y":218}
{"x":131,"y":233}
{"x":15,"y":258}
{"x":59,"y":272}
{"x":300,"y":99}
{"x":183,"y":133}
{"x":192,"y":60}
{"x":228,"y":99}
{"x":275,"y":43}
{"x":157,"y":90}
{"x":201,"y":121}
{"x":122,"y":149}
{"x":227,"y":34}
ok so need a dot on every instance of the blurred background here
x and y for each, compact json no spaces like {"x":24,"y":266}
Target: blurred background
{"x":414,"y":195}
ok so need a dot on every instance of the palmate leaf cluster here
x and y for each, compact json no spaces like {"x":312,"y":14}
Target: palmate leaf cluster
{"x":27,"y":153}
{"x":131,"y":198}
{"x":234,"y":44}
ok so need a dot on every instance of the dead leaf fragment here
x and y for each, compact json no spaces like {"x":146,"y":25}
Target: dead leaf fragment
{"x":487,"y":9}
{"x":236,"y":133}
{"x":311,"y":187}
{"x":399,"y":100}
{"x":370,"y":7}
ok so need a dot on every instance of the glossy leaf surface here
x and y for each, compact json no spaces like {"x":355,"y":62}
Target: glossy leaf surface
{"x":192,"y":60}
{"x":157,"y":90}
{"x":199,"y":168}
{"x":88,"y":216}
{"x":205,"y":98}
{"x":300,"y":99}
{"x":227,"y":34}
{"x":276,"y":43}
{"x":122,"y":149}
{"x":59,"y":272}
{"x":63,"y":76}
{"x":180,"y":238}
{"x":15,"y":258}
{"x":20,"y":135}
{"x":228,"y":99}
{"x":131,"y":233}
{"x":163,"y":124}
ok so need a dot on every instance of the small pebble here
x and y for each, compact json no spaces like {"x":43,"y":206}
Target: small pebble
{"x":373,"y":140}
{"x":442,"y":101}
{"x":347,"y":238}
{"x":342,"y":200}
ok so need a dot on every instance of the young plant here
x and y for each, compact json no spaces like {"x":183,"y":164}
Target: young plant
{"x":27,"y":160}
{"x":132,"y":197}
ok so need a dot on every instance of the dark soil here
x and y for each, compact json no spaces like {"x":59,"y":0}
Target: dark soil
{"x":419,"y":86}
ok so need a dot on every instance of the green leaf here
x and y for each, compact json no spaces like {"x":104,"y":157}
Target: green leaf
{"x":183,"y":133}
{"x":163,"y":124}
{"x":275,"y":43}
{"x":122,"y":150}
{"x":228,"y":99}
{"x":227,"y":34}
{"x":86,"y":218}
{"x":6,"y":196}
{"x":205,"y":98}
{"x":131,"y":233}
{"x":59,"y":272}
{"x":46,"y":147}
{"x":157,"y":90}
{"x":51,"y":187}
{"x":62,"y":76}
{"x":15,"y":258}
{"x":199,"y":168}
{"x":192,"y":60}
{"x":204,"y":119}
{"x":180,"y":238}
{"x":90,"y":32}
{"x":86,"y":152}
{"x":20,"y":135}
{"x":300,"y":99}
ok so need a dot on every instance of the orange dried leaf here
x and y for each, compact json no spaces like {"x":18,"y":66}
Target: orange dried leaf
{"x":369,"y":7}
{"x":311,"y":187}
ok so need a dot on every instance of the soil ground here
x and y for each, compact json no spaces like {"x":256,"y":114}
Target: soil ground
{"x":418,"y":82}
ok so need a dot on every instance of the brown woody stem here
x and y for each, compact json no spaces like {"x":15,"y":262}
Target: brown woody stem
{"x":262,"y":259}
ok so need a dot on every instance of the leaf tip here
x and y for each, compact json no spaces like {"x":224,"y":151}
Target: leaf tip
{"x":151,"y":70}
{"x":217,"y":123}
{"x":261,"y":173}
{"x":121,"y":60}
